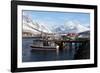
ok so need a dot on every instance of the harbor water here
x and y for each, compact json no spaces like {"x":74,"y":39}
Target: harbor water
{"x":35,"y":56}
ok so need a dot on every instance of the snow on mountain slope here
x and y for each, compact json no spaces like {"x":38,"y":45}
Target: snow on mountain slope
{"x":71,"y":27}
{"x":29,"y":25}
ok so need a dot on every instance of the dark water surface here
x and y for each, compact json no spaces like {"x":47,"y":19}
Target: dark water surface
{"x":28,"y":56}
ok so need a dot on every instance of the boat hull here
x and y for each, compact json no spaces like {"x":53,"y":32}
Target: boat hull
{"x":43,"y":48}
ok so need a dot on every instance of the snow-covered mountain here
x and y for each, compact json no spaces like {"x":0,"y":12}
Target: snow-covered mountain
{"x":37,"y":28}
{"x":33,"y":27}
{"x":71,"y":27}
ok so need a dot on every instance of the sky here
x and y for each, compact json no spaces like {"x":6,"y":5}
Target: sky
{"x":50,"y":18}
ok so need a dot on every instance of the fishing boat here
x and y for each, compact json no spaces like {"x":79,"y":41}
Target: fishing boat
{"x":44,"y":48}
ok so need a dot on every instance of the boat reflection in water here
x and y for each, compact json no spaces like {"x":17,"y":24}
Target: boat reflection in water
{"x":35,"y":50}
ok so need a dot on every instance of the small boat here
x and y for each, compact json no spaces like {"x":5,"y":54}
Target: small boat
{"x":43,"y":48}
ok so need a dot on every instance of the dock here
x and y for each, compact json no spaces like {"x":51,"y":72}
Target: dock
{"x":60,"y":43}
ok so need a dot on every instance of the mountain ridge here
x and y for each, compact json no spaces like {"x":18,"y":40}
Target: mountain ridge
{"x":68,"y":27}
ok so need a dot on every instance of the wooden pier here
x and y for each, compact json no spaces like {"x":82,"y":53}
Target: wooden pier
{"x":60,"y":43}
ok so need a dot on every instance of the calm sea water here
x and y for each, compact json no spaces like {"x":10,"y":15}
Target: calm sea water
{"x":28,"y":56}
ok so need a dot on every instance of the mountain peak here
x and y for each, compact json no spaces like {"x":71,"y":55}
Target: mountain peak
{"x":71,"y":27}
